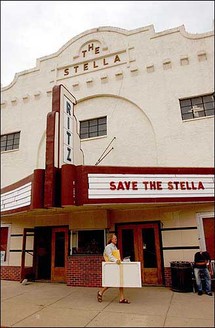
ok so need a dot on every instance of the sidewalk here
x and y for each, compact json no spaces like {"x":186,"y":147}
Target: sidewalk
{"x":57,"y":305}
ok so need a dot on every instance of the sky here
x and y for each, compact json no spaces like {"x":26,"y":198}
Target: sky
{"x":33,"y":29}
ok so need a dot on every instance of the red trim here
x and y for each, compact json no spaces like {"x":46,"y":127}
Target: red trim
{"x":17,"y":210}
{"x":146,"y":170}
{"x":50,"y":172}
{"x":56,"y":98}
{"x":38,"y":189}
{"x":17,"y":184}
{"x":68,"y":178}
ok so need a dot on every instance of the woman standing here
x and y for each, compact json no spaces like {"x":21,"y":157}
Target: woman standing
{"x":111,"y":254}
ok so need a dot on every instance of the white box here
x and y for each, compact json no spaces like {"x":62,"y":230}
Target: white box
{"x":125,"y":274}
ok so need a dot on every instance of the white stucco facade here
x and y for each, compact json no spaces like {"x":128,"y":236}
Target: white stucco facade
{"x":136,"y":79}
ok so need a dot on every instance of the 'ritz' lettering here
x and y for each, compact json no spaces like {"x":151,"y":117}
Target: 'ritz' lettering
{"x":68,"y":133}
{"x":69,"y":154}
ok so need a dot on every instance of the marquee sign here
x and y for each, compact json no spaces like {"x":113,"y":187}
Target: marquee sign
{"x":67,"y":148}
{"x":140,"y":186}
{"x":16,"y":198}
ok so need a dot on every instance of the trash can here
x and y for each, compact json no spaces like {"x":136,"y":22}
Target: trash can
{"x":181,"y":272}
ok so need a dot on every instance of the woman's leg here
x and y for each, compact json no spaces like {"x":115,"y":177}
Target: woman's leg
{"x":102,"y":290}
{"x":100,"y":293}
{"x":121,"y":293}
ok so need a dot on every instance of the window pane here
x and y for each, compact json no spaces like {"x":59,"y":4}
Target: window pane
{"x":197,"y":107}
{"x":93,"y":122}
{"x":84,"y":124}
{"x":93,"y":134}
{"x":102,"y":133}
{"x":187,"y":116}
{"x":84,"y":130}
{"x":199,"y":113}
{"x":128,"y":243}
{"x":185,"y":110}
{"x":149,"y":253}
{"x":210,"y":112}
{"x":196,"y":101}
{"x":16,"y":137}
{"x":3,"y":142}
{"x":185,"y":102}
{"x":208,"y":99}
{"x":84,"y":136}
{"x":16,"y":146}
{"x":102,"y":127}
{"x":93,"y":128}
{"x":10,"y":137}
{"x":9,"y":147}
{"x":90,"y":242}
{"x":209,"y":105}
{"x":10,"y":141}
{"x":102,"y":120}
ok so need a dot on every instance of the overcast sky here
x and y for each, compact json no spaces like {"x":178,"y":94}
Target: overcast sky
{"x":33,"y":29}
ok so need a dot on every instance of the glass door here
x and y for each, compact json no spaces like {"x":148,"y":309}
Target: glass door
{"x":27,"y":261}
{"x":142,"y":243}
{"x":59,"y":254}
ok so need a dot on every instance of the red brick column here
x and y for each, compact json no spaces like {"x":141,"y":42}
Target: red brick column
{"x":10,"y":273}
{"x":84,"y":270}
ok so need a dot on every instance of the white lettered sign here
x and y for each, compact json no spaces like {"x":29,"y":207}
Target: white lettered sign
{"x":104,"y":186}
{"x":69,"y":141}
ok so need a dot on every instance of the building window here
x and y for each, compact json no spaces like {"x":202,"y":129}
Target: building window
{"x":93,"y":128}
{"x":4,"y":243}
{"x":10,"y":141}
{"x":196,"y":107}
{"x":87,"y":241}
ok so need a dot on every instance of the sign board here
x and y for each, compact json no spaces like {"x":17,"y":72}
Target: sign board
{"x":125,"y":274}
{"x":113,"y":186}
{"x":67,"y":144}
{"x":16,"y":198}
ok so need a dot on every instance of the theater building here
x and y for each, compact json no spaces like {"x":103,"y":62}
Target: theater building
{"x":112,"y":133}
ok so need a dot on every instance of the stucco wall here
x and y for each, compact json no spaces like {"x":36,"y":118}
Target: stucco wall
{"x":139,"y":94}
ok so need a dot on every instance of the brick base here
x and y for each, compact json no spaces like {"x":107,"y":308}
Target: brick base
{"x":85,"y":270}
{"x":167,"y":277}
{"x":10,"y":273}
{"x":82,"y":271}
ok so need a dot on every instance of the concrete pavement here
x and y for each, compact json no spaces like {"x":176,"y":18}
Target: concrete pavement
{"x":57,"y":305}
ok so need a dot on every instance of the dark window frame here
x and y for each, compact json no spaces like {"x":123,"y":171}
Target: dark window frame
{"x":10,"y":141}
{"x":96,"y":127}
{"x":189,"y":111}
{"x":85,"y":242}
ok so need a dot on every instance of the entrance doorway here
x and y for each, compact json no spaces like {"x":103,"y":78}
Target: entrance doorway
{"x":49,"y":251}
{"x":209,"y":228}
{"x":43,"y":253}
{"x":142,"y":243}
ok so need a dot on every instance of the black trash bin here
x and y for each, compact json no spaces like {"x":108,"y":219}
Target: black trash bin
{"x":181,"y":272}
